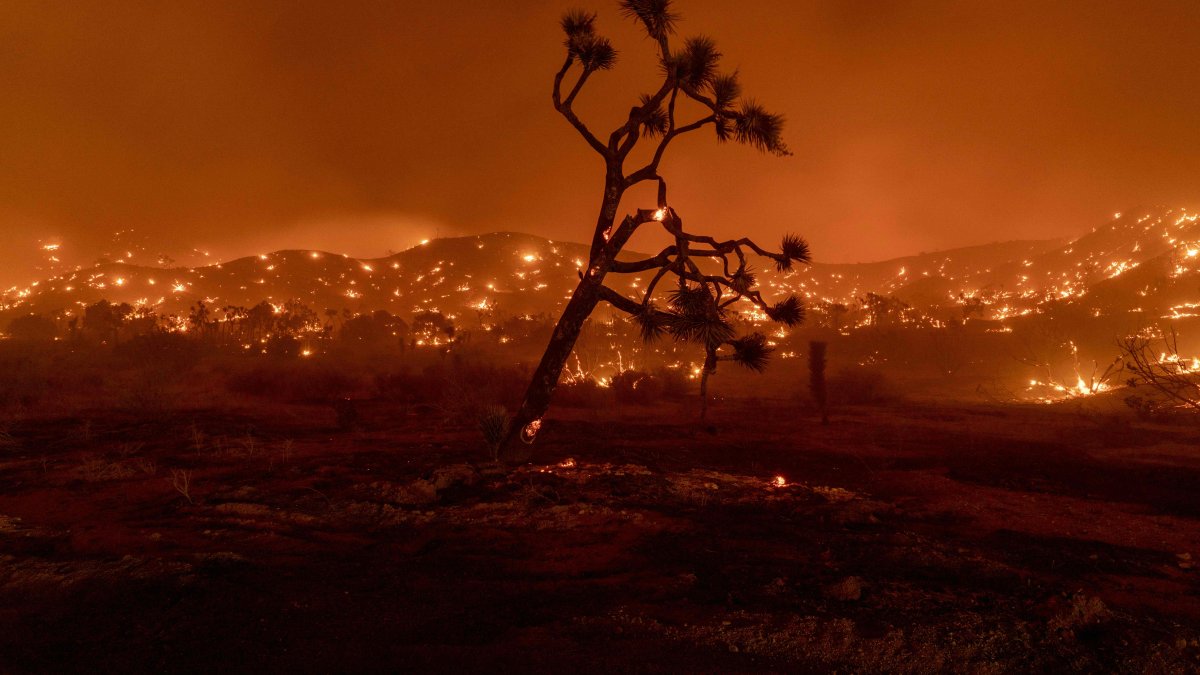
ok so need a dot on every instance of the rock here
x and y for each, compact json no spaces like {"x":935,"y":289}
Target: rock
{"x":849,"y":589}
{"x":492,"y":469}
{"x":855,"y":513}
{"x":455,"y":474}
{"x":417,"y":492}
{"x":515,"y":453}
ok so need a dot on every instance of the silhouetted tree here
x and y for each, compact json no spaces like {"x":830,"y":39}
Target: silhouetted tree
{"x":834,"y":314}
{"x":1170,"y":382}
{"x":32,"y":327}
{"x":378,"y":328}
{"x":295,"y":318}
{"x":690,"y":75}
{"x":198,"y":318}
{"x":431,"y":326}
{"x":883,"y":310}
{"x":104,"y":319}
{"x":816,"y":377}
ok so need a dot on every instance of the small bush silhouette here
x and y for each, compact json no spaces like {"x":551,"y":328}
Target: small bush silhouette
{"x":493,"y":424}
{"x":860,"y":386}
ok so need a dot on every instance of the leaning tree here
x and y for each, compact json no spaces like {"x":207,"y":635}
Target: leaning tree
{"x":708,"y":275}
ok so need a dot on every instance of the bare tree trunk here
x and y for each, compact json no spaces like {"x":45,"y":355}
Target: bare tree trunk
{"x":710,"y":366}
{"x":816,"y":375}
{"x":545,"y":378}
{"x":525,"y":423}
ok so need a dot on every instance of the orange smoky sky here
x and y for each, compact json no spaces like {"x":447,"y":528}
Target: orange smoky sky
{"x":363,"y":127}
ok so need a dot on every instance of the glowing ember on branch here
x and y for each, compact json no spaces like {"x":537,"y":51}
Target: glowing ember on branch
{"x":529,"y":433}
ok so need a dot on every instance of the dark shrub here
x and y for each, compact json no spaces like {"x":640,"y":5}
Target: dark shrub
{"x":675,"y":382}
{"x":296,"y":382}
{"x":32,"y":327}
{"x":172,"y":352}
{"x":636,"y":387}
{"x":860,"y":386}
{"x":586,"y":393}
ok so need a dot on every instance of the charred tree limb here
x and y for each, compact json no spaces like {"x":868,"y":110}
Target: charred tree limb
{"x":564,"y":107}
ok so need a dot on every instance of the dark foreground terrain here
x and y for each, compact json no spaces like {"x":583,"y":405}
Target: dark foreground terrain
{"x":910,"y":538}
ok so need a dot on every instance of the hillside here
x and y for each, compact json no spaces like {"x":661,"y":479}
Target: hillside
{"x":1140,"y":261}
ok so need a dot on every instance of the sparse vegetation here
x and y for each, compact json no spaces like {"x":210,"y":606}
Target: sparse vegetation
{"x":181,"y":480}
{"x":493,"y":424}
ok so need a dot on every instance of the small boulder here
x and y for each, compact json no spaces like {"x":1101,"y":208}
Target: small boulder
{"x":849,"y":589}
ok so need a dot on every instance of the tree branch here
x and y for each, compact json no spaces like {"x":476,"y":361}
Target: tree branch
{"x":650,"y":171}
{"x":564,"y":107}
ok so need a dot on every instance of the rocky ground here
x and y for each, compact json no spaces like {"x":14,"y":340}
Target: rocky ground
{"x":910,"y":538}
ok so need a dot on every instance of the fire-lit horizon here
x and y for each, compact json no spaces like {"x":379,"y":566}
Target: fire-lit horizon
{"x":609,"y":336}
{"x":226,"y":129}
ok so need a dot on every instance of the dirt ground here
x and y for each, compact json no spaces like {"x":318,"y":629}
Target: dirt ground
{"x":916,"y":537}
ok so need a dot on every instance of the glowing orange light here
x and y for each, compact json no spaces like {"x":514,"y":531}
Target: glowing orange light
{"x":530,"y":431}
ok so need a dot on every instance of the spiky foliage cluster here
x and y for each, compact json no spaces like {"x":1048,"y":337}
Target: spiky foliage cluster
{"x":789,"y":311}
{"x":694,"y":66}
{"x":751,"y":351}
{"x":493,"y":424}
{"x":696,"y":317}
{"x":584,"y":44}
{"x":691,"y":70}
{"x":698,"y":309}
{"x":793,"y":250}
{"x":656,"y":16}
{"x":752,"y":125}
{"x":655,"y":120}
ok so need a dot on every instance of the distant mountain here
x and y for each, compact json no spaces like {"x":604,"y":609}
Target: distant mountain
{"x":1147,"y":260}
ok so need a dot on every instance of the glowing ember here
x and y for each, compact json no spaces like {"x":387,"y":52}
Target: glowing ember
{"x":780,"y":481}
{"x":529,"y":433}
